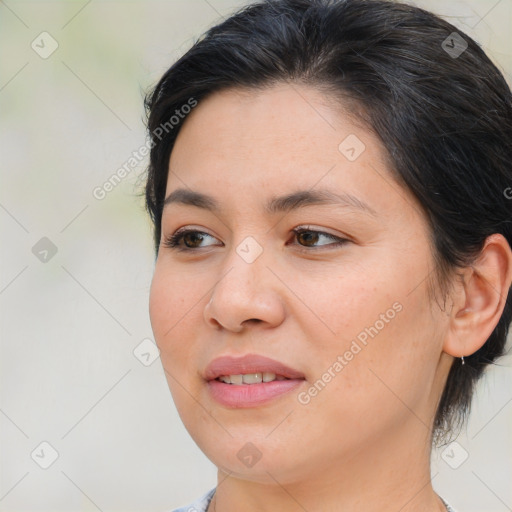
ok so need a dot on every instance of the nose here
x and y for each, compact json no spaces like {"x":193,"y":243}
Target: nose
{"x":246,"y":293}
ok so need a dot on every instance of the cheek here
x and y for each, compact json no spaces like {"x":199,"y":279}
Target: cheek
{"x":173,"y":310}
{"x":174,"y":297}
{"x":163,"y":304}
{"x":174,"y":307}
{"x":344,"y":300}
{"x":387,"y":365}
{"x":382,"y":342}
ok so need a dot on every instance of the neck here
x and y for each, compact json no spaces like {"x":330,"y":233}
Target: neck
{"x":382,"y":476}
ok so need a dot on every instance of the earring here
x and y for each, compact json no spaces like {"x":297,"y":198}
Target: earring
{"x":462,"y":359}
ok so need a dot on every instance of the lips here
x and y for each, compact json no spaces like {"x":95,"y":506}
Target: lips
{"x":250,"y":363}
{"x":236,"y":395}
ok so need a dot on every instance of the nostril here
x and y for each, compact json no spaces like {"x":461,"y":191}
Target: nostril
{"x":255,"y":320}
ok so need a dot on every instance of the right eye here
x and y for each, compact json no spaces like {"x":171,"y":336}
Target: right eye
{"x":190,"y":237}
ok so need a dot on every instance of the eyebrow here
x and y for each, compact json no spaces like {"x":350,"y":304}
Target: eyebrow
{"x":276,"y":204}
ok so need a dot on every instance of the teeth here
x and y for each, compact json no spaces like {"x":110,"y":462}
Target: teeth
{"x":250,"y":378}
{"x":237,"y":379}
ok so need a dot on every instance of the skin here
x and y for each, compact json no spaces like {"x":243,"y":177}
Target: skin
{"x":364,"y":441}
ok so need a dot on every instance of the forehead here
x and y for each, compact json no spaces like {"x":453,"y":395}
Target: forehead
{"x":242,"y":143}
{"x":296,"y":119}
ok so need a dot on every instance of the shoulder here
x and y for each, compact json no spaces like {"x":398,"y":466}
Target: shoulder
{"x":200,"y":505}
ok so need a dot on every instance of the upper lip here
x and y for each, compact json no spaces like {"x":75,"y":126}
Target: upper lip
{"x":249,"y":363}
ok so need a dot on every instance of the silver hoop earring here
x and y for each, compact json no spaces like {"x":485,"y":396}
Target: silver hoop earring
{"x":462,"y":359}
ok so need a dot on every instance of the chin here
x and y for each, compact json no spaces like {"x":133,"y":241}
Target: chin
{"x":253,"y":458}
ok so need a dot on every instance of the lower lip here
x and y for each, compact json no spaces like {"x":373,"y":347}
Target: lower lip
{"x":250,"y":395}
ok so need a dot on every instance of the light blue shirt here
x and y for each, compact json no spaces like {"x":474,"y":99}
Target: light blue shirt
{"x":201,"y":505}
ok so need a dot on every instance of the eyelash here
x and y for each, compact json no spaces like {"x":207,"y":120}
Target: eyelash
{"x":173,"y":241}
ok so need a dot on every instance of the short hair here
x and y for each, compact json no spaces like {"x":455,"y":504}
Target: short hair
{"x":438,"y":104}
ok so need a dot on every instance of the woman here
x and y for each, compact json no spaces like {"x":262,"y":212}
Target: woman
{"x":328,"y":185}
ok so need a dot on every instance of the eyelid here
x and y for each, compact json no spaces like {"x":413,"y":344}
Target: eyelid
{"x":172,"y":241}
{"x":338,"y":240}
{"x":317,"y":229}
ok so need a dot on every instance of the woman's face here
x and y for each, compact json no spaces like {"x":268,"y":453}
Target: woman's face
{"x":351,"y":318}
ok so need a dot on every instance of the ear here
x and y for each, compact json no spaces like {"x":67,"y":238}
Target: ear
{"x":480,"y":299}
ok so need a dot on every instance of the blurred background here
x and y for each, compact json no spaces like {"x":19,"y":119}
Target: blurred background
{"x":86,"y":418}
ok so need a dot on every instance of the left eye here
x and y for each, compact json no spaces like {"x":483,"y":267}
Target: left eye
{"x":307,"y":238}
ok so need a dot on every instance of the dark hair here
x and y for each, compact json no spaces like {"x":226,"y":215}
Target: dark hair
{"x":442,"y":110}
